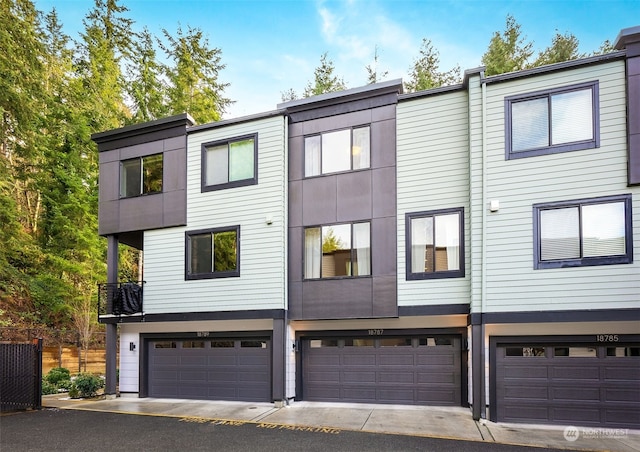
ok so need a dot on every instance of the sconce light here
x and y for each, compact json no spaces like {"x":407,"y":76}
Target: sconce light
{"x":132,"y":346}
{"x":494,"y":205}
{"x":269,"y":220}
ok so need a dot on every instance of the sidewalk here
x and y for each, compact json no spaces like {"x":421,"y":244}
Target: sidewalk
{"x":438,"y":422}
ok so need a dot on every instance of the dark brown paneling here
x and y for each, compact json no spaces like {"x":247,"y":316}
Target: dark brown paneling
{"x":383,"y":246}
{"x":319,"y":200}
{"x":353,"y":196}
{"x":337,"y":298}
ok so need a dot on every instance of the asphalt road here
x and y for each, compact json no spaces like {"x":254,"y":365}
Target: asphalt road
{"x":75,"y":430}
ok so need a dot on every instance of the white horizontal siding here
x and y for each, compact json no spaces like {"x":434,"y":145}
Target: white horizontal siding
{"x":261,"y":284}
{"x":511,"y":282}
{"x":433,"y":174}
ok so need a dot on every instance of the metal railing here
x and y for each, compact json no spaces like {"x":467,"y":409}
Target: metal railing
{"x":119,"y":299}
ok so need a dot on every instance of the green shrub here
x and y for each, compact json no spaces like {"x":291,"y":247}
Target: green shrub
{"x":65,"y":385}
{"x":87,"y":385}
{"x":58,"y":374}
{"x":74,"y":393}
{"x":48,"y":388}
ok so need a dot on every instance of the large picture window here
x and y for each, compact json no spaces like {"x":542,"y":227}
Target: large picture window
{"x":583,"y":232}
{"x":339,"y":250}
{"x":341,"y":150}
{"x":435,"y":244}
{"x":549,"y":122}
{"x":230,"y":163}
{"x":141,"y":176}
{"x":213,"y":253}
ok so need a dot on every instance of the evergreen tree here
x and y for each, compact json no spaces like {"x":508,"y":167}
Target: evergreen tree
{"x":194,"y":86}
{"x":508,"y":51}
{"x":372,"y":70}
{"x":145,"y":86}
{"x":323,"y":79}
{"x":425,"y":72}
{"x":562,"y":48}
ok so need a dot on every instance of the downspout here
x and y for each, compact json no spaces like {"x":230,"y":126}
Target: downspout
{"x":483,"y":277}
{"x":285,"y":273}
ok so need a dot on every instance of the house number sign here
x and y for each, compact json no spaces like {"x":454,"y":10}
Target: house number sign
{"x":607,"y":338}
{"x":376,"y":332}
{"x":202,"y":334}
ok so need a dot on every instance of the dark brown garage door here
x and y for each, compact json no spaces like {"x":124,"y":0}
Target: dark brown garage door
{"x":417,"y":370}
{"x":212,"y":369}
{"x":571,"y":385}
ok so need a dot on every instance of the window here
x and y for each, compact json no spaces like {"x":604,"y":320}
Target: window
{"x":435,"y":244}
{"x":339,"y":250}
{"x":230,"y":163}
{"x":141,"y":176}
{"x":332,"y":152}
{"x":213,"y":253}
{"x":549,"y":122}
{"x":583,"y":232}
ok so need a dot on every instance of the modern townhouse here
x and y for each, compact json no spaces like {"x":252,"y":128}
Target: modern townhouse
{"x":470,"y":245}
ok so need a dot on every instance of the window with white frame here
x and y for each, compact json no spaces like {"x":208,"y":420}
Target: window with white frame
{"x":338,"y":250}
{"x":213,"y":253}
{"x":435,"y":244}
{"x":337,"y":151}
{"x":141,"y":176}
{"x":583,"y":232}
{"x":229,"y":163}
{"x":552,"y":121}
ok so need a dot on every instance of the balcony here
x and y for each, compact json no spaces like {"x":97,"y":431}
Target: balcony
{"x":121,"y":300}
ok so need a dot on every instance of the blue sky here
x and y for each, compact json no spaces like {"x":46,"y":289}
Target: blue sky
{"x":269,"y":46}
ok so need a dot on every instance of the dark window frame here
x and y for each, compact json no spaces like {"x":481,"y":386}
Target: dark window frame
{"x":140,"y":161}
{"x":557,"y":148}
{"x":188,"y":276}
{"x":411,"y":276}
{"x":352,"y":250}
{"x":626,"y":258}
{"x":319,"y":134}
{"x":204,"y":187}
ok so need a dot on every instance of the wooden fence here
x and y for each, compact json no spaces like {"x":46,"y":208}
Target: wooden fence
{"x":61,"y":349}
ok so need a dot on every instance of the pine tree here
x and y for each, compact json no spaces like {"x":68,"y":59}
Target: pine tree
{"x":323,"y":79}
{"x":425,"y":72}
{"x":508,"y":51}
{"x":194,"y":85}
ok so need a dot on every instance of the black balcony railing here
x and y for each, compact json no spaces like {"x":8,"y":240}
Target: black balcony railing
{"x":119,"y":299}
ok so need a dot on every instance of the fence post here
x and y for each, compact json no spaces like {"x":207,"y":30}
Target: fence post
{"x":38,"y":371}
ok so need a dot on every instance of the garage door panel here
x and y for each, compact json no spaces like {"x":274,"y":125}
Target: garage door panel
{"x":222,"y":360}
{"x":253,"y":360}
{"x":222,"y":376}
{"x":575,"y":413}
{"x":623,"y":373}
{"x":253,"y":377}
{"x":436,"y":377}
{"x":526,"y":392}
{"x":192,"y":375}
{"x":630,"y":395}
{"x":165,"y":360}
{"x":444,"y":396}
{"x":396,"y":360}
{"x":360,"y":394}
{"x":193,"y":361}
{"x":395,"y":395}
{"x":435,"y":359}
{"x":321,"y":358}
{"x":169,"y":375}
{"x":630,"y":415}
{"x":358,"y":377}
{"x":368,"y":359}
{"x":382,"y":373}
{"x":574,"y":373}
{"x":570,"y":394}
{"x":531,"y":413}
{"x":525,"y":372}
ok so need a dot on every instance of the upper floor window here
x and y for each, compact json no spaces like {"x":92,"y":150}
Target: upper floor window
{"x":583,"y":232}
{"x":337,"y":250}
{"x":229,"y":163}
{"x":549,"y":122}
{"x":141,"y":176}
{"x":213,"y":253}
{"x":341,"y":150}
{"x":435,"y":244}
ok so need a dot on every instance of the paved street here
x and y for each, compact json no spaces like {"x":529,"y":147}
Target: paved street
{"x":76,"y":430}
